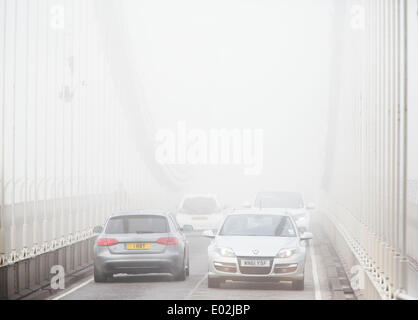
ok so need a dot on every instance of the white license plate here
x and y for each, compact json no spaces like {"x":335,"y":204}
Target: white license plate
{"x":255,"y":263}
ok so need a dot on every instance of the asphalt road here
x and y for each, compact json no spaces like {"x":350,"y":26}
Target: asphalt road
{"x":195,"y":287}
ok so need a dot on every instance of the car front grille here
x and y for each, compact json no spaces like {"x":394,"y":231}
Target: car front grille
{"x":255,"y":270}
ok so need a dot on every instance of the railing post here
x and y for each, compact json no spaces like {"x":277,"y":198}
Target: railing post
{"x":13,"y":253}
{"x":405,"y":147}
{"x":3,"y":202}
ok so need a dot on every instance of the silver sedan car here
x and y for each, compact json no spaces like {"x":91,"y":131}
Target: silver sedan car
{"x":140,"y":243}
{"x":257,"y":245}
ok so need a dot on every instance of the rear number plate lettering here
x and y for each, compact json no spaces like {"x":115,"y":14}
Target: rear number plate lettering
{"x":138,"y":246}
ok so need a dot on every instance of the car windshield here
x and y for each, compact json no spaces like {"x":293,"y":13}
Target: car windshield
{"x":137,"y":224}
{"x":200,"y":205}
{"x":258,"y":225}
{"x":280,"y":200}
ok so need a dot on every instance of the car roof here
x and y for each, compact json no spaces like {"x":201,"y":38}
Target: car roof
{"x":207,"y":196}
{"x":270,"y":211}
{"x":140,"y":212}
{"x":192,"y":196}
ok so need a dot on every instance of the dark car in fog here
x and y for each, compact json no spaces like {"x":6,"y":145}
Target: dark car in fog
{"x":141,"y":242}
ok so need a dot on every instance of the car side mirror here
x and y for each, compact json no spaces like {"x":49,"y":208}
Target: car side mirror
{"x":98,"y":229}
{"x":208,"y":234}
{"x":310,"y":206}
{"x":306,"y":236}
{"x":187,"y":228}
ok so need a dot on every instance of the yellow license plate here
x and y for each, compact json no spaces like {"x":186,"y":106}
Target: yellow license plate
{"x":138,"y":246}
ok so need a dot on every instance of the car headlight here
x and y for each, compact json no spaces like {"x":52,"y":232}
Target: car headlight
{"x":287,"y":253}
{"x":225,"y":252}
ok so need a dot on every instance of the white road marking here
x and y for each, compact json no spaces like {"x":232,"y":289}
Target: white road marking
{"x":189,"y":295}
{"x":73,"y":289}
{"x":315,"y":276}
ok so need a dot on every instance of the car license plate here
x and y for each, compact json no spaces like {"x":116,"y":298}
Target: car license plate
{"x":255,"y":263}
{"x":138,"y":246}
{"x":199,"y":218}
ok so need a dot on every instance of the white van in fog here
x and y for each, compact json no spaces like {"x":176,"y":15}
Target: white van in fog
{"x":202,"y":212}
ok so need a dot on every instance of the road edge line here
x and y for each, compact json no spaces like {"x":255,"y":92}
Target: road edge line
{"x":318,"y":295}
{"x":189,"y":295}
{"x":62,"y":295}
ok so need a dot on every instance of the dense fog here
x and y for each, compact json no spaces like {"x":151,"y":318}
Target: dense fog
{"x":237,"y":65}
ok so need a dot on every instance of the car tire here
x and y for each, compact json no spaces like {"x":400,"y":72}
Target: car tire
{"x":99,"y":276}
{"x":181,"y":275}
{"x":214,"y":283}
{"x":188,"y":268}
{"x":298,"y":284}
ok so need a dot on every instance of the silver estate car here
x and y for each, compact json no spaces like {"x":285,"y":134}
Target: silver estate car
{"x":257,"y":245}
{"x":140,"y":243}
{"x":291,"y":202}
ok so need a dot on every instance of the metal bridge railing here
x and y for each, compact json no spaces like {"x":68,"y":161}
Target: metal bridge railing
{"x":67,"y":156}
{"x":366,"y":193}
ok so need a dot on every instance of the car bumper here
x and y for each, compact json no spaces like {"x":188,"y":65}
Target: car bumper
{"x":279,"y":270}
{"x":109,"y":263}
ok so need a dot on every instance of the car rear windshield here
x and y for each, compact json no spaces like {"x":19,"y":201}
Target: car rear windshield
{"x":280,"y":200}
{"x":258,"y":225}
{"x":200,"y":205}
{"x":137,"y":224}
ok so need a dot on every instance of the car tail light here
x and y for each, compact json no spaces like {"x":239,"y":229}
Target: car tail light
{"x":106,"y":242}
{"x":168,"y":241}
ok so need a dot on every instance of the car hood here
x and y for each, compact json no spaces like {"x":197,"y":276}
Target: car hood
{"x":256,"y":246}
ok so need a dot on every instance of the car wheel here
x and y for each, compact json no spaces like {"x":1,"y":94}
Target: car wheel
{"x":214,"y":283}
{"x":188,"y":268}
{"x":99,"y":276}
{"x":181,"y":275}
{"x":298,"y":284}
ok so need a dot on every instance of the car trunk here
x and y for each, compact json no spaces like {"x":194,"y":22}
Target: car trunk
{"x":143,"y":243}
